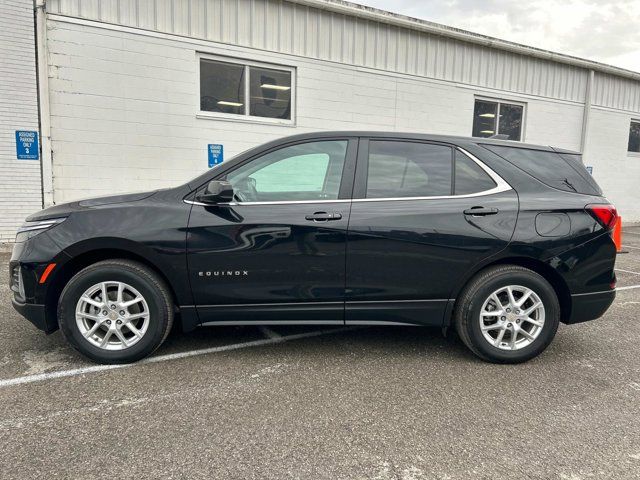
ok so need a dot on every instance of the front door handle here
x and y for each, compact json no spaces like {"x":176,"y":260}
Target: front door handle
{"x":480,"y":211}
{"x":323,"y":216}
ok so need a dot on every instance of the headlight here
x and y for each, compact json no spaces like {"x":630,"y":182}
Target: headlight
{"x":31,"y":229}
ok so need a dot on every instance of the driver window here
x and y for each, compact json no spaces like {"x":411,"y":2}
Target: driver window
{"x":307,"y":171}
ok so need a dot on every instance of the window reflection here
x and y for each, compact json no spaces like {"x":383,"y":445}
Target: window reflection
{"x":221,"y":87}
{"x":270,"y":93}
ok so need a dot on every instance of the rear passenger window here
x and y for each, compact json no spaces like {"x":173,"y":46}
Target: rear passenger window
{"x":470,"y":177}
{"x":550,"y":168}
{"x":408,"y":169}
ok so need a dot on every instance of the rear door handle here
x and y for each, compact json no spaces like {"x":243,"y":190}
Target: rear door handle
{"x":323,"y":216}
{"x":480,"y":211}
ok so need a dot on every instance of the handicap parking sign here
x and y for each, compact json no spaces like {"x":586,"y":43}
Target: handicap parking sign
{"x":216,"y":154}
{"x":27,"y":147}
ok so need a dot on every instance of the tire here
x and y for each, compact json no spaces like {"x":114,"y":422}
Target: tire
{"x":134,"y":331}
{"x":476,"y":298}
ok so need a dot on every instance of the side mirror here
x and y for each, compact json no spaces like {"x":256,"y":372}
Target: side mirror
{"x":217,"y":191}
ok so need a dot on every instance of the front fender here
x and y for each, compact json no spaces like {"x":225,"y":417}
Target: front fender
{"x":171,"y":266}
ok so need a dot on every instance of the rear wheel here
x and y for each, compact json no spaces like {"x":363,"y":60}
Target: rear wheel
{"x":507,"y":314}
{"x":115,"y":311}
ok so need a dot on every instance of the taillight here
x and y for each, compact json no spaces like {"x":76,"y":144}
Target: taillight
{"x":606,"y":215}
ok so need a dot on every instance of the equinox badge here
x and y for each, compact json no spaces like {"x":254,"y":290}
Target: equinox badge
{"x":224,"y":273}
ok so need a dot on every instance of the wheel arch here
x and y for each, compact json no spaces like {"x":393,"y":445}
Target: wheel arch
{"x":88,"y":257}
{"x":541,"y":268}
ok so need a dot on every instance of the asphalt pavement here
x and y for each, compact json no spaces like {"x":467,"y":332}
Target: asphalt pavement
{"x":324,"y":403}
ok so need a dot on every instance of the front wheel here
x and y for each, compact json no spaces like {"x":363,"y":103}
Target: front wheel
{"x":115,"y":311}
{"x":507,"y":314}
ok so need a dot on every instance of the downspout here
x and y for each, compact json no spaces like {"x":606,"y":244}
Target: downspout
{"x":44,"y":111}
{"x":587,"y":112}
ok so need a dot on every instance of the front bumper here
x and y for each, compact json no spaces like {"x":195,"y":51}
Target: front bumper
{"x":26,"y":267}
{"x":589,"y":306}
{"x":36,"y":314}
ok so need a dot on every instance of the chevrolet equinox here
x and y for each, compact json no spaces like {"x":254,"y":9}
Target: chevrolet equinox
{"x":500,"y":240}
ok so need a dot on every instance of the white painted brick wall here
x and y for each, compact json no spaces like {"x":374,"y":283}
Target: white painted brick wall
{"x":20,"y":187}
{"x":123,"y":110}
{"x":615,"y":170}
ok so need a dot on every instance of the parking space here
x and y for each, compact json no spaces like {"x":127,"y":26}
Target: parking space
{"x":383,"y":403}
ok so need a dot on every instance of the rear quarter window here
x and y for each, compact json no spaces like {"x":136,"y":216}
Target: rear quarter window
{"x":469,"y":177}
{"x":558,"y":170}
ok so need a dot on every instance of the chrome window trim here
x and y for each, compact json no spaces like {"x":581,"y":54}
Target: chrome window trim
{"x":279,"y":202}
{"x":501,"y":186}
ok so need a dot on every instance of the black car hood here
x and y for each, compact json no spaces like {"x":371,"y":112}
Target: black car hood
{"x":65,"y":209}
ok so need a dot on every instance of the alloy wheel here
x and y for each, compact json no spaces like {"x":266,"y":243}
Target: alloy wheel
{"x":512,"y":317}
{"x":112,"y":315}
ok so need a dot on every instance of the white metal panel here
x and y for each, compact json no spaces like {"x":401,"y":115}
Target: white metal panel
{"x":288,"y":27}
{"x":123,"y":106}
{"x":108,"y":11}
{"x":147,"y":17}
{"x":615,"y":92}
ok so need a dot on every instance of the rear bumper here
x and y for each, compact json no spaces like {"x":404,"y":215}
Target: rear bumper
{"x":35,"y":314}
{"x":589,"y":306}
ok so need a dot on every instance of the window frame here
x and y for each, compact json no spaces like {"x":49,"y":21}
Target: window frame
{"x":325,"y":177}
{"x":352,"y":187}
{"x":632,"y":153}
{"x":457,"y":151}
{"x":365,"y":176}
{"x":499,"y":102}
{"x":246,"y":117}
{"x":346,"y":182}
{"x":362,"y":170}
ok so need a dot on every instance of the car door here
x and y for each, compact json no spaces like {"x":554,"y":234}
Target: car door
{"x":423,"y":214}
{"x":277,"y":252}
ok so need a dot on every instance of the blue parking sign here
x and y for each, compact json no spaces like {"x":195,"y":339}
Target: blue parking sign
{"x":216,"y":154}
{"x":27,"y":147}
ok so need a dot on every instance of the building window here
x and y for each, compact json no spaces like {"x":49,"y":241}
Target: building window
{"x":498,"y":118}
{"x":233,"y":89}
{"x":634,"y":137}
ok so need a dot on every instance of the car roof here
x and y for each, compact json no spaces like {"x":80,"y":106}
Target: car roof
{"x":427,"y":137}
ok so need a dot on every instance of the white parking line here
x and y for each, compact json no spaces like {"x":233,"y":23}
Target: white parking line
{"x":630,"y":287}
{"x":630,"y":233}
{"x":626,"y":271}
{"x":163,"y":358}
{"x":629,"y":246}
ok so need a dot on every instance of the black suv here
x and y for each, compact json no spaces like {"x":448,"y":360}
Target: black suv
{"x":501,"y":240}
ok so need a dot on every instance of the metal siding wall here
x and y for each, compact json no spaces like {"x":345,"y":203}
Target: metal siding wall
{"x":615,"y":92}
{"x":282,"y":26}
{"x":20,"y":185}
{"x":124,"y":109}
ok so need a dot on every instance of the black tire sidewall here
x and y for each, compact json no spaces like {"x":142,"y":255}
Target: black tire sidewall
{"x":552,"y":315}
{"x":155,"y":300}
